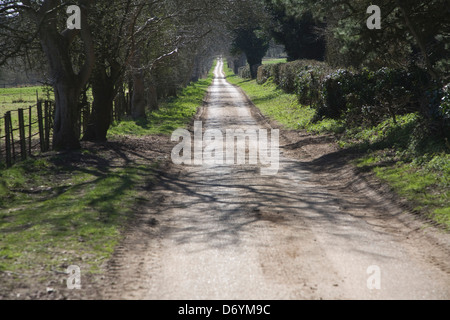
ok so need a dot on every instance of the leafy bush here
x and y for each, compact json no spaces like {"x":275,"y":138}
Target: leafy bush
{"x":368,"y":97}
{"x":444,"y":107}
{"x":437,"y":103}
{"x":267,"y":71}
{"x":334,"y":90}
{"x":244,"y":72}
{"x":435,"y":111}
{"x":361,"y":108}
{"x":398,"y":91}
{"x":263,"y":74}
{"x":287,"y":73}
{"x":363,"y":98}
{"x":287,"y":77}
{"x":308,"y":84}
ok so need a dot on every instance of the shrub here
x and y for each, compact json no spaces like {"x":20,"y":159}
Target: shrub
{"x":288,"y":73}
{"x":334,"y":90}
{"x":244,"y":72}
{"x":360,"y":101}
{"x":370,"y":97}
{"x":361,"y":98}
{"x":435,"y":111}
{"x":444,"y":108}
{"x":286,"y":77}
{"x":267,"y":71}
{"x":308,"y":84}
{"x":398,"y":91}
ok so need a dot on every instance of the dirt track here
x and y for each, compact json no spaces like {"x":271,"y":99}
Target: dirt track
{"x":308,"y":232}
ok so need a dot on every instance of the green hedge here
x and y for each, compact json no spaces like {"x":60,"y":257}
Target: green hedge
{"x":361,"y":97}
{"x":244,"y":72}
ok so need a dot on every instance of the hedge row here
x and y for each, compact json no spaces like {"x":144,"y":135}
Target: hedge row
{"x":244,"y":72}
{"x":363,"y":97}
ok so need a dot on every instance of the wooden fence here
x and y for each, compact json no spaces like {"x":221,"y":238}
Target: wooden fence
{"x":28,"y":131}
{"x":24,"y":132}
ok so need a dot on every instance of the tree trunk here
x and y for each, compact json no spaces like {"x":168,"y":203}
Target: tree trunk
{"x":67,"y":116}
{"x":102,"y":107}
{"x":418,"y":38}
{"x":254,"y":65}
{"x":66,"y":83}
{"x":237,"y":62}
{"x":138,"y":100}
{"x":152,"y":97}
{"x":67,"y":92}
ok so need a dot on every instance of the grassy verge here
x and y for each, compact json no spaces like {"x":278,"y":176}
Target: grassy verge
{"x":417,"y":169}
{"x":283,"y":107}
{"x":54,"y":213}
{"x":172,"y":114}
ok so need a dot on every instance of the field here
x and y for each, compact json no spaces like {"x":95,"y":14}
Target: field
{"x":16,"y":98}
{"x":12,"y":100}
{"x":274,"y":61}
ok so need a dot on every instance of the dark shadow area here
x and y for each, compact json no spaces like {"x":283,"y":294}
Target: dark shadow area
{"x":218,"y":206}
{"x":111,"y":170}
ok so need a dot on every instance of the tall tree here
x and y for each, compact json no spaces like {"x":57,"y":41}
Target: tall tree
{"x":109,"y":23}
{"x":67,"y":83}
{"x":28,"y":21}
{"x":248,"y":32}
{"x":301,"y":36}
{"x":252,"y":41}
{"x":412,"y":31}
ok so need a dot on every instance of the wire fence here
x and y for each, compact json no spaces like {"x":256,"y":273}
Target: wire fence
{"x":28,"y":131}
{"x":25,"y":132}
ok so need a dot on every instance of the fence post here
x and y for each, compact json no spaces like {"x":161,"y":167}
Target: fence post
{"x":7,"y":138}
{"x":23,"y":144}
{"x":1,"y":150}
{"x":13,"y":145}
{"x":30,"y":122}
{"x":41,"y":126}
{"x":47,"y":125}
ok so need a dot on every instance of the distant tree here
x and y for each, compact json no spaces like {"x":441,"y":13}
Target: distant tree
{"x":169,"y":39}
{"x":248,"y":32}
{"x":254,"y":42}
{"x":301,"y":35}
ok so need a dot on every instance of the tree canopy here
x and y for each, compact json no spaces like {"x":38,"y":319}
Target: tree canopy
{"x":151,"y":48}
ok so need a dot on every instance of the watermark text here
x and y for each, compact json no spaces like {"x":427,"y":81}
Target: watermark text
{"x":229,"y":147}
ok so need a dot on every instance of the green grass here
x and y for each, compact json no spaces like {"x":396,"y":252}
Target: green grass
{"x":417,"y":169}
{"x":17,"y":98}
{"x":426,"y":186}
{"x":48,"y":221}
{"x":56,"y":212}
{"x":274,"y":61}
{"x":283,"y":107}
{"x":12,"y":99}
{"x":172,"y":114}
